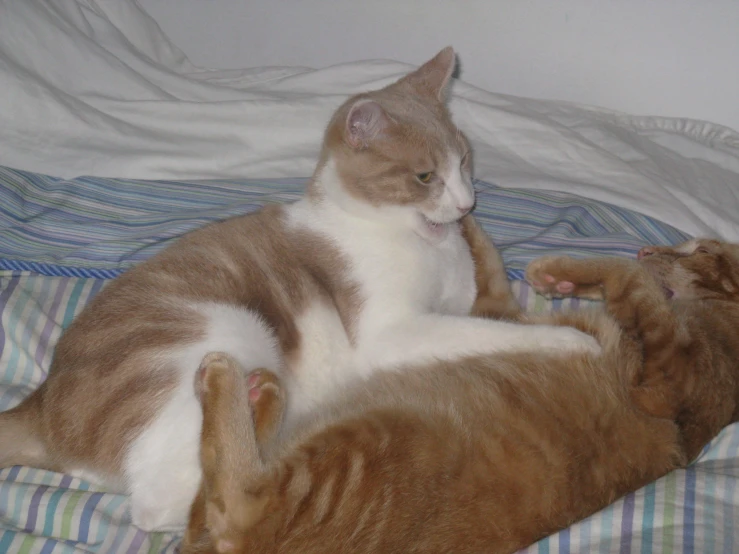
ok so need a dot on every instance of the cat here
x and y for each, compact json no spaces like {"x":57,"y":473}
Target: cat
{"x":489,"y":454}
{"x":368,"y":270}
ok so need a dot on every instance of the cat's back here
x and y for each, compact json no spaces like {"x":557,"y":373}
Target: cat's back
{"x":395,"y":270}
{"x":253,"y":262}
{"x":250,"y":284}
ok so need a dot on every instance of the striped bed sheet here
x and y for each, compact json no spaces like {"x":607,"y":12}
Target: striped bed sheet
{"x":96,"y":227}
{"x":60,"y":242}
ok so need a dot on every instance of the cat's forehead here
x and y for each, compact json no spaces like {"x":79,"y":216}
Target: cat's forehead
{"x":422,"y":123}
{"x":691,"y":246}
{"x":704,"y":257}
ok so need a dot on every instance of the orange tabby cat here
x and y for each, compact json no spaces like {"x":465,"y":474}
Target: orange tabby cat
{"x":492,"y":453}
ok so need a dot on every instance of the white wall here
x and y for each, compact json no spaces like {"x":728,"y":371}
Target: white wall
{"x":660,"y":57}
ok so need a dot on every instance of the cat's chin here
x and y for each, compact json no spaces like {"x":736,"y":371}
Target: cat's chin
{"x":432,"y":231}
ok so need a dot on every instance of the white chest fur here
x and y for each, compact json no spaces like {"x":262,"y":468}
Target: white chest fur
{"x":399,"y":274}
{"x":398,"y":271}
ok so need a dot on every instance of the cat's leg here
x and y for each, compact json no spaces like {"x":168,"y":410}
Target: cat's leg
{"x":241,"y":415}
{"x":639,"y":305}
{"x":432,"y":337}
{"x":494,"y":296}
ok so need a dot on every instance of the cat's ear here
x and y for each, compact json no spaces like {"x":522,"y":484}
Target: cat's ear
{"x":365,"y":122}
{"x":433,"y":77}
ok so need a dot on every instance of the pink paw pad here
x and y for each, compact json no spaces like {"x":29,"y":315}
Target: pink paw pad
{"x":254,"y":384}
{"x":565,"y":287}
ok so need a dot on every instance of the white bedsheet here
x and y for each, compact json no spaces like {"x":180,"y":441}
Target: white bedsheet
{"x":93,"y":87}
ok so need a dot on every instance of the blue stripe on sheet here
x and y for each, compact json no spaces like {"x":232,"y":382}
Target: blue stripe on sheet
{"x":87,"y":513}
{"x":48,"y":547}
{"x":564,"y":541}
{"x":52,"y":270}
{"x":51,"y":508}
{"x":72,"y":303}
{"x":627,"y":521}
{"x":5,"y":540}
{"x":96,"y":227}
{"x":34,"y":507}
{"x":689,"y":512}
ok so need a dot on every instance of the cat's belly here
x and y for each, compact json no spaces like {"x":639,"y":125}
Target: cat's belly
{"x":161,"y":466}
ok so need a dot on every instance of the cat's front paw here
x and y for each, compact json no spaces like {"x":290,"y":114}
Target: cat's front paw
{"x":569,"y":339}
{"x":542,"y":275}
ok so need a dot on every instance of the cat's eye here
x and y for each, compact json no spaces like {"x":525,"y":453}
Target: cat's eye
{"x":425,"y":177}
{"x":702,"y":250}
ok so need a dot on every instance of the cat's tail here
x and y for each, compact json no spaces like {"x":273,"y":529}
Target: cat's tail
{"x":21,"y":441}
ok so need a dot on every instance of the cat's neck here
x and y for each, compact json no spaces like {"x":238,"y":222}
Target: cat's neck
{"x":328,"y":194}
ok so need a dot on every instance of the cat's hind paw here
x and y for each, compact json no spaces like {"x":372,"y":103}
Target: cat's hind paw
{"x":216,"y":373}
{"x":267,"y":400}
{"x":560,"y":276}
{"x":542,"y":276}
{"x":220,"y":376}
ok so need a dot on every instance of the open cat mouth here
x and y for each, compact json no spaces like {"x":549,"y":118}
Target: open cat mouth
{"x":432,"y":230}
{"x":433,"y":226}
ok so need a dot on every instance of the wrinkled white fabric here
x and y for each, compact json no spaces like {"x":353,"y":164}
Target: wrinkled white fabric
{"x":93,"y":87}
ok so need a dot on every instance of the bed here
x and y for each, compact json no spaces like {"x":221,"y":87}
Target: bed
{"x":173,"y":146}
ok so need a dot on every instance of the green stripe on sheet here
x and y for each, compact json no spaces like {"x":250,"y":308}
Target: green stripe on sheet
{"x":68,"y":513}
{"x":670,"y":492}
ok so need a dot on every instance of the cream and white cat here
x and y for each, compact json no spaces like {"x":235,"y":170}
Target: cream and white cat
{"x":368,"y":271}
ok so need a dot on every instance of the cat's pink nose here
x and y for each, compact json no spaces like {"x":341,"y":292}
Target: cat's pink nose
{"x":644,"y":252}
